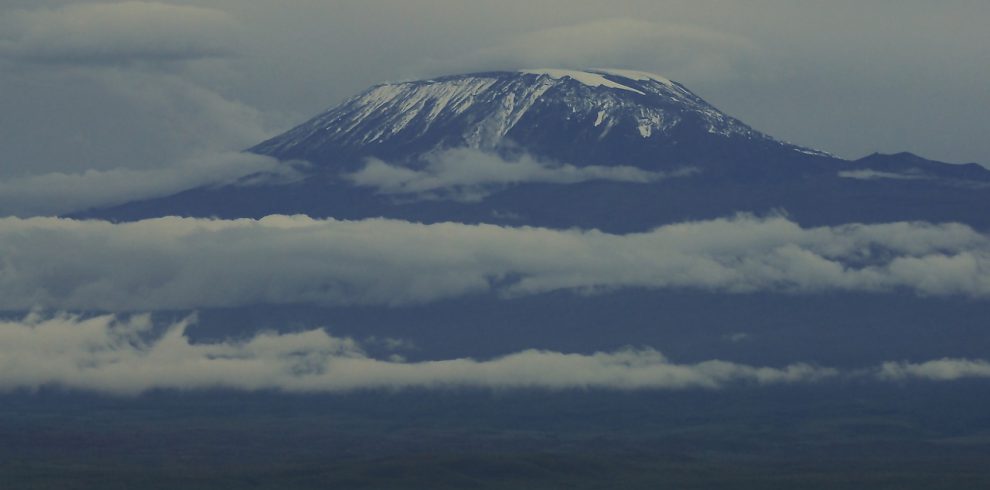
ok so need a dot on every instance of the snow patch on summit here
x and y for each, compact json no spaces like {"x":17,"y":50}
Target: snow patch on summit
{"x":639,"y":76}
{"x":588,"y":78}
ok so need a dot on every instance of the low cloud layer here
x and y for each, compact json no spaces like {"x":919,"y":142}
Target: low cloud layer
{"x":59,"y":193}
{"x":866,"y":174}
{"x":177,"y":263}
{"x":119,"y":32}
{"x":130,"y":355}
{"x":938,"y":370}
{"x":125,"y":356}
{"x":466,"y":174}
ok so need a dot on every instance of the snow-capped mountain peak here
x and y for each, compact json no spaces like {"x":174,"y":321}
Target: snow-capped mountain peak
{"x":593,"y":112}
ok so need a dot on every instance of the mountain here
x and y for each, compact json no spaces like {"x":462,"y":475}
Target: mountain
{"x":616,"y":150}
{"x":621,"y":152}
{"x":608,"y":117}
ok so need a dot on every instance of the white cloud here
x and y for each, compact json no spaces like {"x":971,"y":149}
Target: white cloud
{"x":866,"y":174}
{"x":174,"y":263}
{"x":938,"y":370}
{"x":127,"y":356}
{"x":58,"y":193}
{"x":466,"y":174}
{"x":119,"y":32}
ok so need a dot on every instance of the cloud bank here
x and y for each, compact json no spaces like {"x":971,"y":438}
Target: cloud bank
{"x":182,"y":263}
{"x":947,"y":369}
{"x":467,"y":174}
{"x":130,"y":355}
{"x":58,"y":193}
{"x":867,"y":174}
{"x":126,"y":356}
{"x":120,"y":32}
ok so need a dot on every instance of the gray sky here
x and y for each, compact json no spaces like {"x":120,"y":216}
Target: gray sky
{"x":101,"y":86}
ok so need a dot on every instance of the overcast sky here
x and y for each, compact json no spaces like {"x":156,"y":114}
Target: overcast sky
{"x":143,"y":85}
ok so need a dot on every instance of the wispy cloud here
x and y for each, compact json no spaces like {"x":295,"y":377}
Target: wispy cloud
{"x":57,"y":193}
{"x":466,"y":174}
{"x":867,"y":174}
{"x":946,"y":369}
{"x":173,"y":262}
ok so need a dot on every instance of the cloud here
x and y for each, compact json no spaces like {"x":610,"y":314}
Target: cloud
{"x":466,"y":174}
{"x":111,"y":118}
{"x":177,"y":263}
{"x":938,"y":370}
{"x":688,"y":50}
{"x":866,"y":174}
{"x":118,"y":33}
{"x":102,"y":86}
{"x":59,"y":193}
{"x":736,"y":338}
{"x":129,"y":356}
